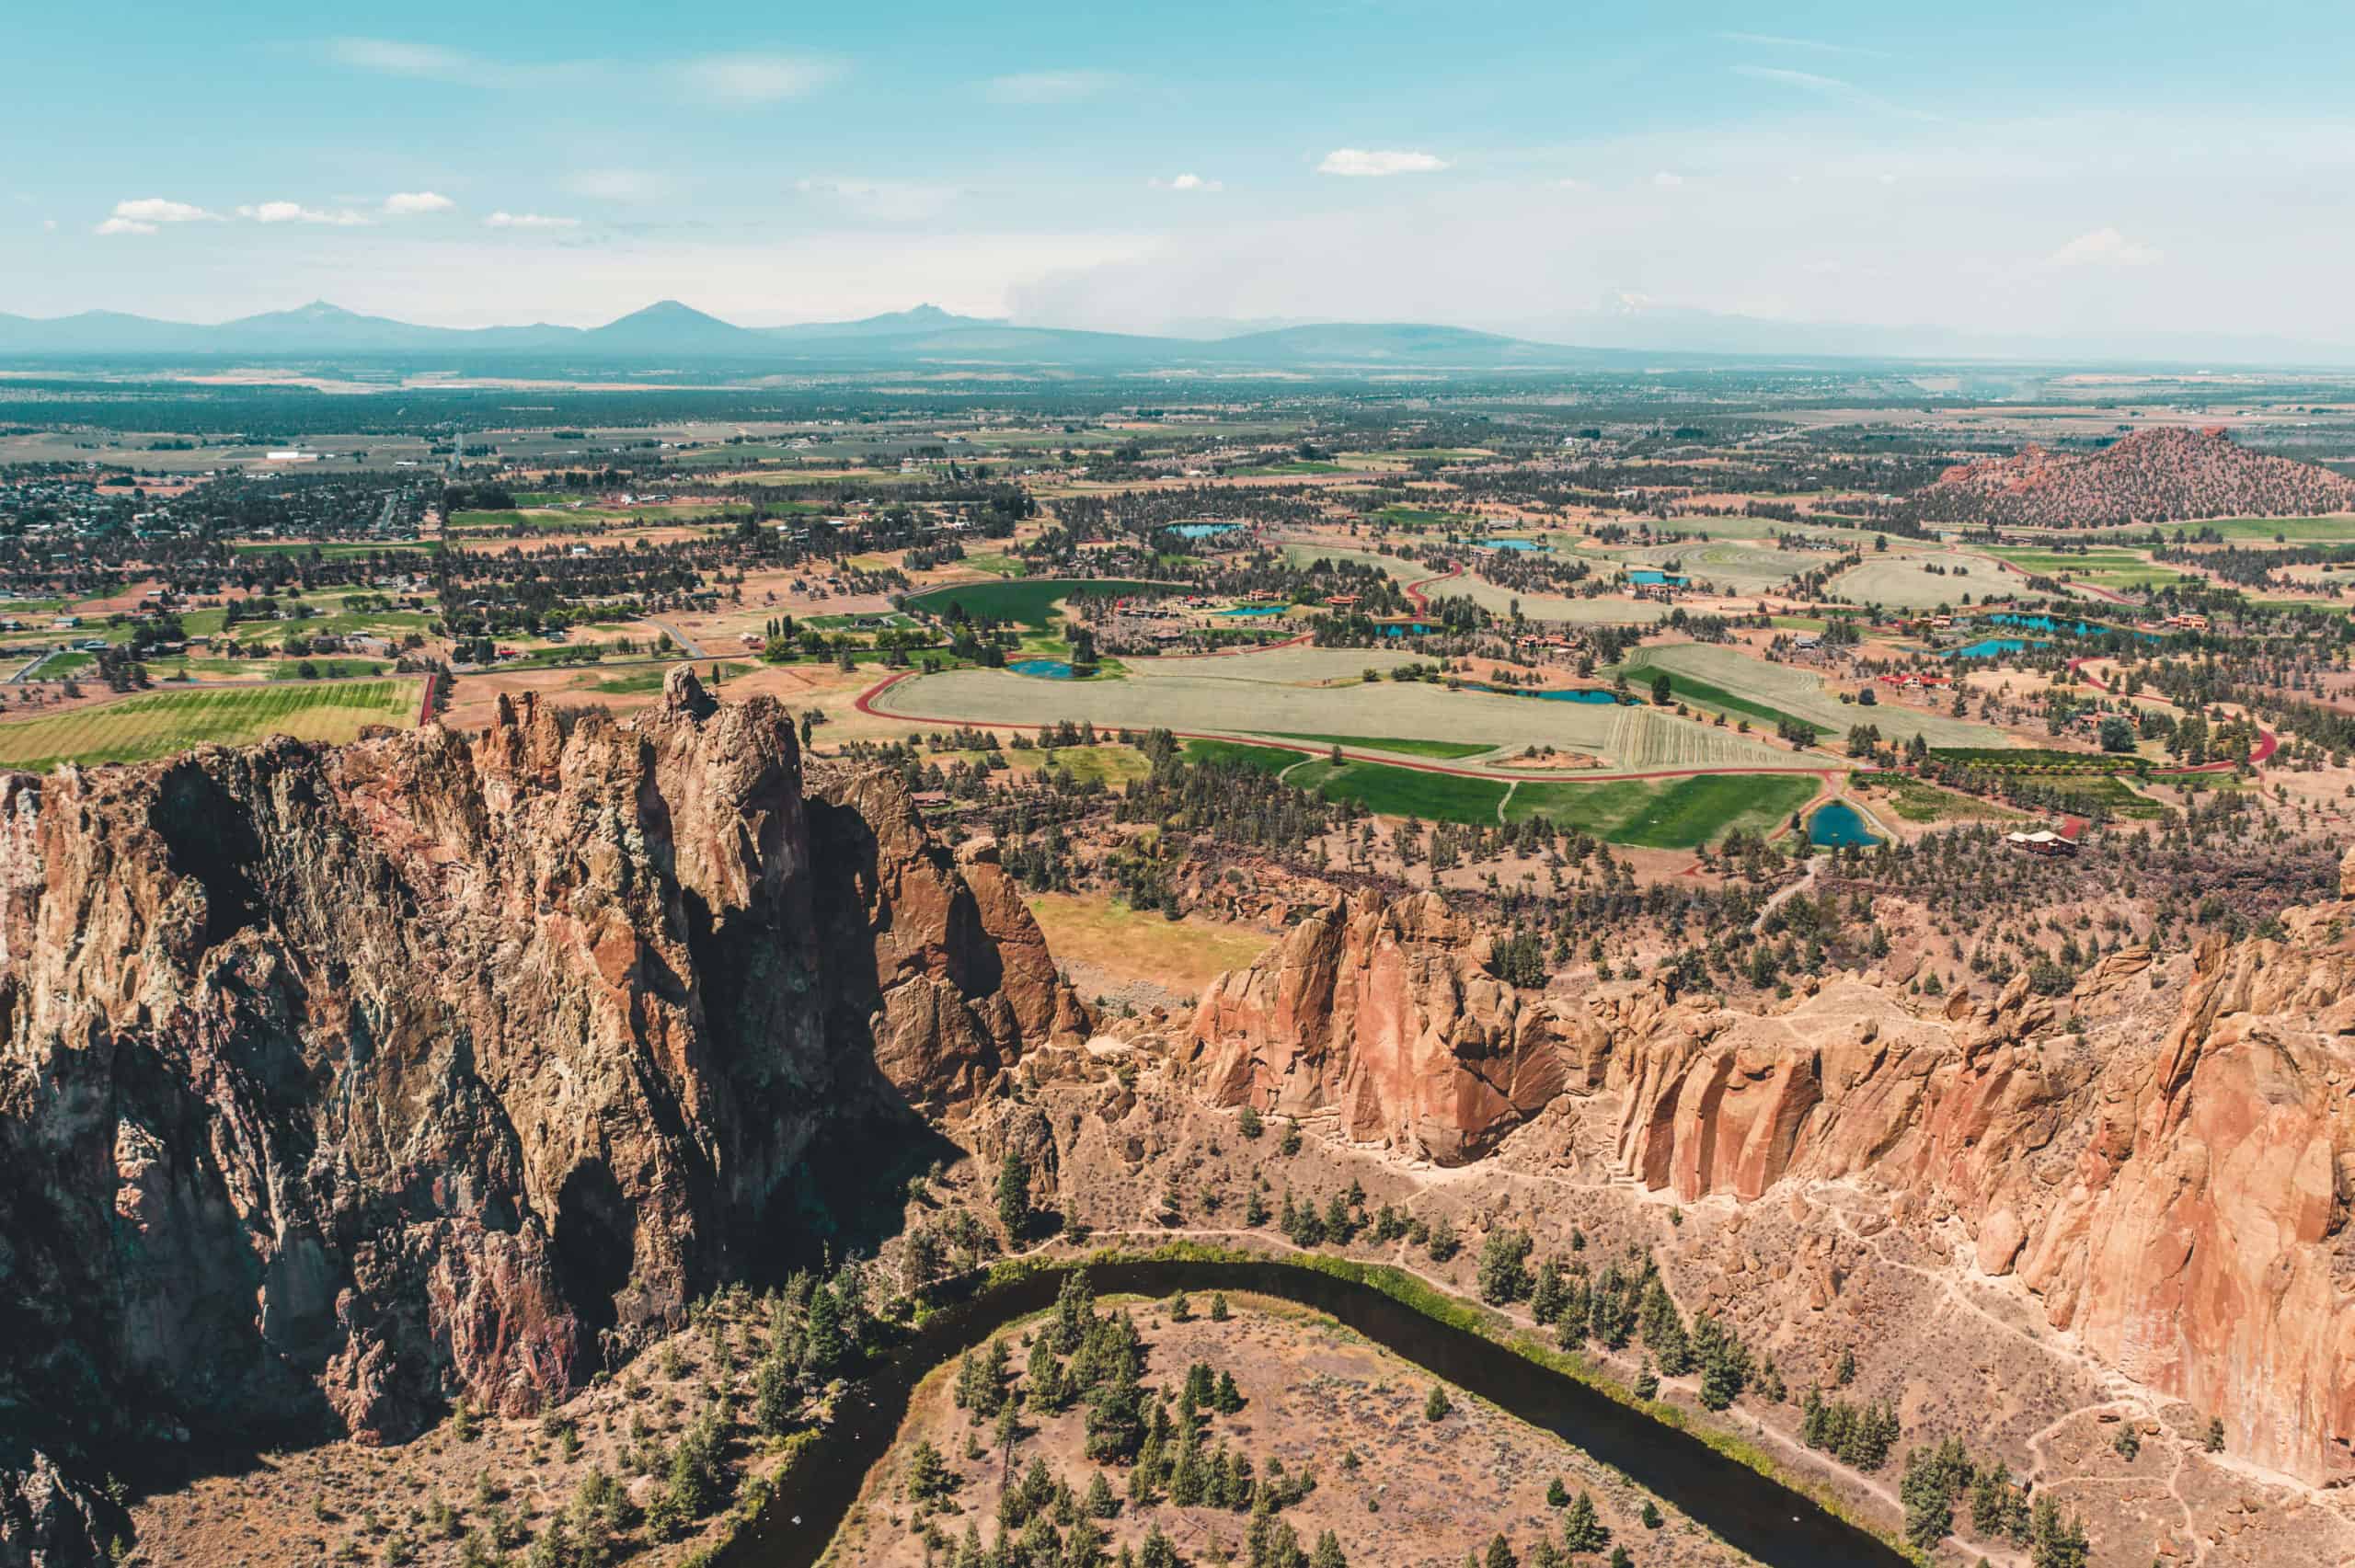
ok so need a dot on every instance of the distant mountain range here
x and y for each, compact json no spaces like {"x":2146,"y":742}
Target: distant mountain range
{"x":669,"y":333}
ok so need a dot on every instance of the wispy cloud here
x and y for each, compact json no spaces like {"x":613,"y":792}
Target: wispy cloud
{"x":295,"y":212}
{"x":2105,"y":246}
{"x":735,"y":80}
{"x":1048,"y":86}
{"x":1188,"y":182}
{"x":1811,"y":45}
{"x":1360,"y":162}
{"x":755,"y":78}
{"x":1826,"y":87}
{"x":504,"y":220}
{"x":886,"y":201}
{"x":409,"y":203}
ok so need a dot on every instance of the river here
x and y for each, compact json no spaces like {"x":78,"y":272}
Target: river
{"x":1750,"y":1511}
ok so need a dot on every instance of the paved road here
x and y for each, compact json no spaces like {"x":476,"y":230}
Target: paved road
{"x":686,"y":646}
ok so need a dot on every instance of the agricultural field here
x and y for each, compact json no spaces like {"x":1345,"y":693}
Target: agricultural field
{"x":1681,"y":814}
{"x":157,"y":724}
{"x":1923,"y":581}
{"x":1404,"y":792}
{"x":2237,"y":530}
{"x":1645,"y":737}
{"x":1444,"y":751}
{"x":1025,"y":602}
{"x":1606,"y":610}
{"x":1319,"y":692}
{"x":1727,"y":566}
{"x":1266,"y":759}
{"x":1726,"y":677}
{"x":2118,"y":569}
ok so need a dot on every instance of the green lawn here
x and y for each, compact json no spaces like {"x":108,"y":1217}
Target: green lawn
{"x":1683,"y":814}
{"x":651,"y":678}
{"x":334,"y":547}
{"x":1404,"y":792}
{"x":1266,"y":759}
{"x":1443,"y":750}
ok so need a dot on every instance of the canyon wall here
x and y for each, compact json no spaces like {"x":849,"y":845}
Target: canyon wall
{"x":2169,"y":1171}
{"x":339,"y":1082}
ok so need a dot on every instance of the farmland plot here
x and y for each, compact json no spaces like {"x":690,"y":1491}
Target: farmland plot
{"x":159,"y":724}
{"x":1784,"y":688}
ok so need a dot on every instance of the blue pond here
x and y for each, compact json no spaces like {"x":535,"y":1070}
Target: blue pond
{"x":1514,"y":544}
{"x":1654,"y":580}
{"x":1043,"y":669}
{"x":1988,"y":648}
{"x":1595,"y":695}
{"x":1837,"y":826}
{"x":1202,"y":530}
{"x":2081,"y":629}
{"x":1255,"y":610}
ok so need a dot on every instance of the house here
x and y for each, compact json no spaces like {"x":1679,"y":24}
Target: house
{"x":2043,"y":842}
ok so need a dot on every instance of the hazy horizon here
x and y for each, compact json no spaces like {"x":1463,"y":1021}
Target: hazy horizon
{"x":2112,"y":175}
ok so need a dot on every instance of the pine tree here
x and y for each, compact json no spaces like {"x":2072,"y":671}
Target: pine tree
{"x":1436,"y":1407}
{"x":1582,"y":1528}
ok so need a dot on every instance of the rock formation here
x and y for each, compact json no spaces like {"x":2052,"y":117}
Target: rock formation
{"x":339,"y":1083}
{"x":1390,"y":1015}
{"x":2170,"y":1174}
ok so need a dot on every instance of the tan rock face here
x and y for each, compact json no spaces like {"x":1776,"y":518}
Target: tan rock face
{"x":340,"y":1082}
{"x":2178,"y":1200}
{"x":1388,"y":1015}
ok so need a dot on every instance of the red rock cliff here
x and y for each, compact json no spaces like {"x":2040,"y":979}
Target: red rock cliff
{"x":344,"y":1082}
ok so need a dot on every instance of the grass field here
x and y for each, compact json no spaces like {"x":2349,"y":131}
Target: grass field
{"x":1724,"y":564}
{"x":1183,"y":955}
{"x":1314,"y":692}
{"x":1441,"y":749}
{"x":2102,"y":568}
{"x":1682,"y":814}
{"x":1404,"y":792}
{"x":1266,"y":759}
{"x":1721,"y":676}
{"x":328,"y":549}
{"x":1915,"y":801}
{"x":158,"y":724}
{"x":1904,"y":582}
{"x":650,"y":678}
{"x":1025,"y":602}
{"x":2238,"y":530}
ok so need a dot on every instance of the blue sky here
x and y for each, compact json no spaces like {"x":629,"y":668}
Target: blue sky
{"x":2025,"y":168}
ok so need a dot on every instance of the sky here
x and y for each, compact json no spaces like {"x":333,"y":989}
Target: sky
{"x":2041,"y":169}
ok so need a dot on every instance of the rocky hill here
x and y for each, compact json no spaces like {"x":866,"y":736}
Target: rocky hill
{"x":338,"y":1084}
{"x":2164,"y":475}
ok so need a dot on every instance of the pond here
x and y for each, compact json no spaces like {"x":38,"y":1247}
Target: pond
{"x":1255,"y":610}
{"x":1839,"y":825}
{"x":1594,"y":694}
{"x":1514,"y":544}
{"x":1750,"y":1511}
{"x":1204,"y":530}
{"x":2081,"y":629}
{"x":1043,"y":669}
{"x":1988,"y":648}
{"x":1654,"y":580}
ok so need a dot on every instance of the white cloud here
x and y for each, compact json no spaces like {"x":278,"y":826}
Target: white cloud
{"x":1048,"y":86}
{"x":295,"y":212}
{"x":2105,"y":247}
{"x":529,"y":221}
{"x":619,"y":185}
{"x":755,"y":78}
{"x":1826,"y":87}
{"x":406,"y":203}
{"x":155,"y":209}
{"x":886,"y":201}
{"x":49,"y":226}
{"x":1188,"y":182}
{"x":125,"y":226}
{"x":1361,"y":163}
